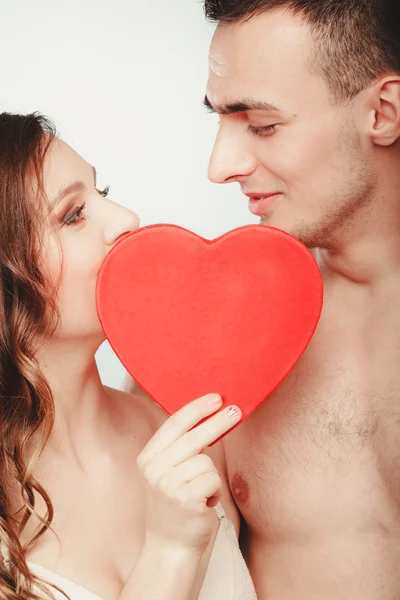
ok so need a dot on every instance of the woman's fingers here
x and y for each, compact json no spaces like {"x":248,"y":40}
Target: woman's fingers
{"x":190,"y":470}
{"x":181,"y":422}
{"x":201,"y":489}
{"x":194,"y":441}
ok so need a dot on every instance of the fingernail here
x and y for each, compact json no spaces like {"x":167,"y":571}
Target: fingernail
{"x":214,"y":399}
{"x":233,"y":412}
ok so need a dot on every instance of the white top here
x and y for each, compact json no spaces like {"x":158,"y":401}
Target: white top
{"x":226,"y":578}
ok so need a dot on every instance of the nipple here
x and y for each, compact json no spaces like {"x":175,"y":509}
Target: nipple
{"x":240,"y":489}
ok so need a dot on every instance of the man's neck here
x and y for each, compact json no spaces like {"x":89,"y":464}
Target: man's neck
{"x":371,"y":261}
{"x":367,"y":250}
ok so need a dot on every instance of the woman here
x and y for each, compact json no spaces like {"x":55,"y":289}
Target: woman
{"x":101,"y":495}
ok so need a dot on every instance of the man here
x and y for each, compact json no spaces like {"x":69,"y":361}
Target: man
{"x":308,"y":93}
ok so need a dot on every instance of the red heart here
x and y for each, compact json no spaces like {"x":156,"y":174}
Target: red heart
{"x":188,"y":316}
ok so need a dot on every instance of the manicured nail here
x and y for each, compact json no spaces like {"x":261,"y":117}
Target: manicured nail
{"x":214,"y":399}
{"x":233,"y":412}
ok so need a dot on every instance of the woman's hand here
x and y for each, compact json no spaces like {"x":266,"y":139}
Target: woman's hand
{"x":181,"y":483}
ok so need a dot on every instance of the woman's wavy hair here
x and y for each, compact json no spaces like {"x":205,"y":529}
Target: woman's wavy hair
{"x":28,"y":317}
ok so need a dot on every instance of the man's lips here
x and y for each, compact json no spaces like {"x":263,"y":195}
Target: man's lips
{"x":260,"y":204}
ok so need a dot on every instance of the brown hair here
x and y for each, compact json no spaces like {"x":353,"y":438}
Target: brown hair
{"x":28,"y":316}
{"x":355,"y":40}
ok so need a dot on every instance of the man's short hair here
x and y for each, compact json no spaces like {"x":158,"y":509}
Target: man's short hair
{"x":355,"y":40}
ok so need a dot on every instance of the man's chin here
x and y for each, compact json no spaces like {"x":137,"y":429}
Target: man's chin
{"x":270,"y":221}
{"x":299,"y":233}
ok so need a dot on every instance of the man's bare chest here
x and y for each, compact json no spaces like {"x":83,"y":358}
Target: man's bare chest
{"x":323,"y":443}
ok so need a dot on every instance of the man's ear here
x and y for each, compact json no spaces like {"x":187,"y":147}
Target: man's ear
{"x":384,"y":100}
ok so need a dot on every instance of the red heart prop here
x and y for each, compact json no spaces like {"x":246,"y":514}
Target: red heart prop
{"x":189,"y":316}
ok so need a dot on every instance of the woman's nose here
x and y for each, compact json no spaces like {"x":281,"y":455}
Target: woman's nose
{"x":120,"y":222}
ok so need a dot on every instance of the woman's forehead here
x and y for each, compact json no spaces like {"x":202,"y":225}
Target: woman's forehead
{"x":63,"y":166}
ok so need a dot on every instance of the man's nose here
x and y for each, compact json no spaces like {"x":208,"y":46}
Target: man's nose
{"x":120,"y":222}
{"x":230,"y":159}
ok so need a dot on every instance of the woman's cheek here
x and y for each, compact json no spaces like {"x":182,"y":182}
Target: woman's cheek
{"x":50,"y":260}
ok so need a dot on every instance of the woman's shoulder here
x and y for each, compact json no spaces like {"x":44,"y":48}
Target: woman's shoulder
{"x":136,"y":406}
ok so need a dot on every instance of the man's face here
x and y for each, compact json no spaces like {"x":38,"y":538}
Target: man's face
{"x":280,"y":132}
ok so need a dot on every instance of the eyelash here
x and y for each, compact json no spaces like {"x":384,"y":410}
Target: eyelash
{"x":104,"y":192}
{"x":262,"y":131}
{"x":77,"y":216}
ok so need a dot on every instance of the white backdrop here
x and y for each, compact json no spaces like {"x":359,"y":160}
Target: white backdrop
{"x":123,"y":80}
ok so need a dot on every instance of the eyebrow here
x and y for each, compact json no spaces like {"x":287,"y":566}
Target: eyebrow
{"x":74,"y":188}
{"x":228,"y":109}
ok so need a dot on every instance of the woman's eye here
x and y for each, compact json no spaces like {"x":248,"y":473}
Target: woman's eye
{"x":76,"y":216}
{"x":265,"y":131}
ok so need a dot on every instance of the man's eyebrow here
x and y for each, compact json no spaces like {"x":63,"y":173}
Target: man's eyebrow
{"x":74,"y":188}
{"x":241,"y":106}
